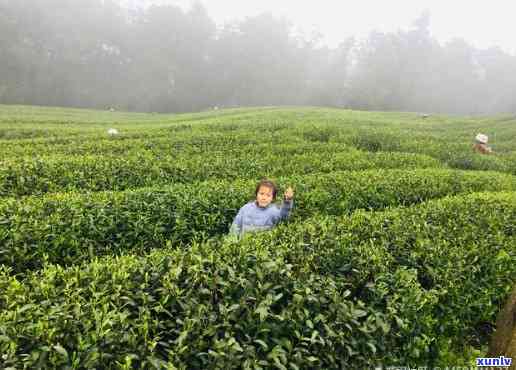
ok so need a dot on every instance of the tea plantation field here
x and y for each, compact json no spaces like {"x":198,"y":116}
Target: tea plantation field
{"x":400,"y":250}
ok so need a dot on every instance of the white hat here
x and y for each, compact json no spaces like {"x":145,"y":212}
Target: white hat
{"x":112,"y":131}
{"x":481,"y":138}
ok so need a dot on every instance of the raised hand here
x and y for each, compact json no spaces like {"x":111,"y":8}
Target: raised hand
{"x":289,"y":193}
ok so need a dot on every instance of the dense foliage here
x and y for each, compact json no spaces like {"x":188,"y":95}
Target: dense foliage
{"x":400,"y":250}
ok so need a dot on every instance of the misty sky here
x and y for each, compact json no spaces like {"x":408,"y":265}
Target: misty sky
{"x":481,"y":23}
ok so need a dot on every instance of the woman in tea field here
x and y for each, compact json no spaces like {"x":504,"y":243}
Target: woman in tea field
{"x":480,"y":145}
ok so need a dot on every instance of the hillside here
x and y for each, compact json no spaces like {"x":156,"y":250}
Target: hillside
{"x":400,"y":250}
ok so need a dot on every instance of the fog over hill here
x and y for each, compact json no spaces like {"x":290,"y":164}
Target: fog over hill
{"x":171,"y":58}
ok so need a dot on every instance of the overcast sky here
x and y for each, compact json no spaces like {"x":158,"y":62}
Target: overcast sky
{"x":481,"y":23}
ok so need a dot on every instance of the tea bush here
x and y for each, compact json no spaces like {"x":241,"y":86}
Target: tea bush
{"x":400,"y":250}
{"x":328,"y":292}
{"x":96,"y":173}
{"x":68,"y":228}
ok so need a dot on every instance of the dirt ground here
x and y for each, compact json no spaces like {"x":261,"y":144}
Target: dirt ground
{"x":503,"y":342}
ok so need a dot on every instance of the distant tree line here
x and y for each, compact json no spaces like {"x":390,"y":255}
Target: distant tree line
{"x":99,"y":54}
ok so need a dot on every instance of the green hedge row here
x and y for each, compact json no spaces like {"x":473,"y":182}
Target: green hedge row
{"x":457,"y":244}
{"x":458,"y":154}
{"x":174,"y":138}
{"x":96,"y":173}
{"x":64,"y":126}
{"x":69,"y":228}
{"x":328,"y":293}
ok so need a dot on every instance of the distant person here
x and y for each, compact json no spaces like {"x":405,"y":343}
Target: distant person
{"x":112,"y":132}
{"x":480,"y":145}
{"x":262,"y":214}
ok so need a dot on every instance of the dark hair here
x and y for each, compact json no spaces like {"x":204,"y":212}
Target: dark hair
{"x":269,"y":184}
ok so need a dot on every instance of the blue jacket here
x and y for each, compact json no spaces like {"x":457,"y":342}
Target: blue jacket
{"x":253,"y":218}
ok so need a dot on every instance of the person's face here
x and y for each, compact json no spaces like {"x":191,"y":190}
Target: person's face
{"x":264,"y":196}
